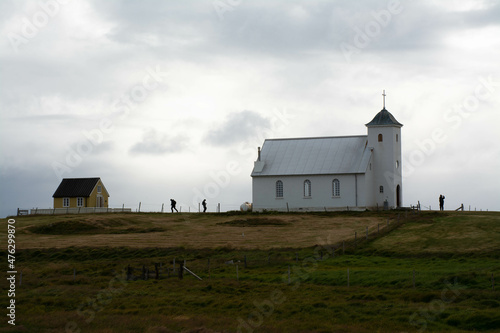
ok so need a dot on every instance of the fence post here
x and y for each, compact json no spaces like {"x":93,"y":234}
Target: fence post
{"x":162,"y":207}
{"x":139,"y":207}
{"x":181,"y":271}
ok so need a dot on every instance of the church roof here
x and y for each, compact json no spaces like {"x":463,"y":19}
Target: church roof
{"x":314,"y":156}
{"x":384,"y":118}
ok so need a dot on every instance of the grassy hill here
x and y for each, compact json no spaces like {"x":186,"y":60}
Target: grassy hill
{"x":261,"y":272}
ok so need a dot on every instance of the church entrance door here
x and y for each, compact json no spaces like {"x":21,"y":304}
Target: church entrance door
{"x":398,"y":196}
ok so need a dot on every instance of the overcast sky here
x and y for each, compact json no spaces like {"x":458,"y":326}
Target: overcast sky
{"x":170,"y":99}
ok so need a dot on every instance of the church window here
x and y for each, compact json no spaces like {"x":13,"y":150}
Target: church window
{"x":380,"y":137}
{"x":397,"y":137}
{"x":381,"y":189}
{"x":397,"y":164}
{"x":307,"y":188}
{"x":279,"y":189}
{"x":336,"y":188}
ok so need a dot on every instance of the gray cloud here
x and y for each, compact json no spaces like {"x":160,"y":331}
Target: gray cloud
{"x":283,"y":30}
{"x":237,"y":127}
{"x":154,"y":143}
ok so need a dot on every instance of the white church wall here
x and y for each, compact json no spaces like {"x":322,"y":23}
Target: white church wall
{"x":369,"y":186}
{"x":264,"y":193}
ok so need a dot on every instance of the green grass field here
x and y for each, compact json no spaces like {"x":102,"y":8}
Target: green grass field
{"x":428,"y":272}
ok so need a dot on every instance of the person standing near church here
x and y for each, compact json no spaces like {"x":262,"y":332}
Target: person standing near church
{"x":441,"y":202}
{"x":204,"y":204}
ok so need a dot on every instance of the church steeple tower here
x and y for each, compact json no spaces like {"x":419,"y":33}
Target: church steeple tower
{"x":384,"y":138}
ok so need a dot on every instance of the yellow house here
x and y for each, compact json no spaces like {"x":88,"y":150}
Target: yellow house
{"x":81,"y":192}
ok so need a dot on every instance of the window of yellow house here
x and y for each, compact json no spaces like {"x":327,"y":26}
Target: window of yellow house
{"x":99,"y":189}
{"x":79,"y":202}
{"x":65,"y":202}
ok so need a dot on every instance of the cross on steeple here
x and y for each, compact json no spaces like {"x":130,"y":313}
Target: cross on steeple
{"x":383,"y":94}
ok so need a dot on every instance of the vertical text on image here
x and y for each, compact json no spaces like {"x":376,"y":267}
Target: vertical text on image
{"x":11,"y":273}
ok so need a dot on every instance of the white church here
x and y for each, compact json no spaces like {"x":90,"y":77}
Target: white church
{"x":331,"y":173}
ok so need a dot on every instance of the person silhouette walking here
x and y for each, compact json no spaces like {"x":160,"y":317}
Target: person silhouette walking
{"x":204,"y":204}
{"x":172,"y":205}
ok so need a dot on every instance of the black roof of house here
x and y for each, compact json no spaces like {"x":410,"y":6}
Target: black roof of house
{"x":76,"y":187}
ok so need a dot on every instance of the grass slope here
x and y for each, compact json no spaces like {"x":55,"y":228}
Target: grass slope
{"x":461,"y":233}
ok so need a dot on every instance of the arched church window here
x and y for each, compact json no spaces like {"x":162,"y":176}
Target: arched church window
{"x":380,"y":137}
{"x":307,"y":188}
{"x":397,"y":164}
{"x":336,"y":188}
{"x":279,"y":189}
{"x":381,"y":189}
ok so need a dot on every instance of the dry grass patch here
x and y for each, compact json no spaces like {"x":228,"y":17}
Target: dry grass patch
{"x":191,"y":230}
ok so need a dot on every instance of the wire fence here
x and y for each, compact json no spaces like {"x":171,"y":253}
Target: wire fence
{"x":287,"y":268}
